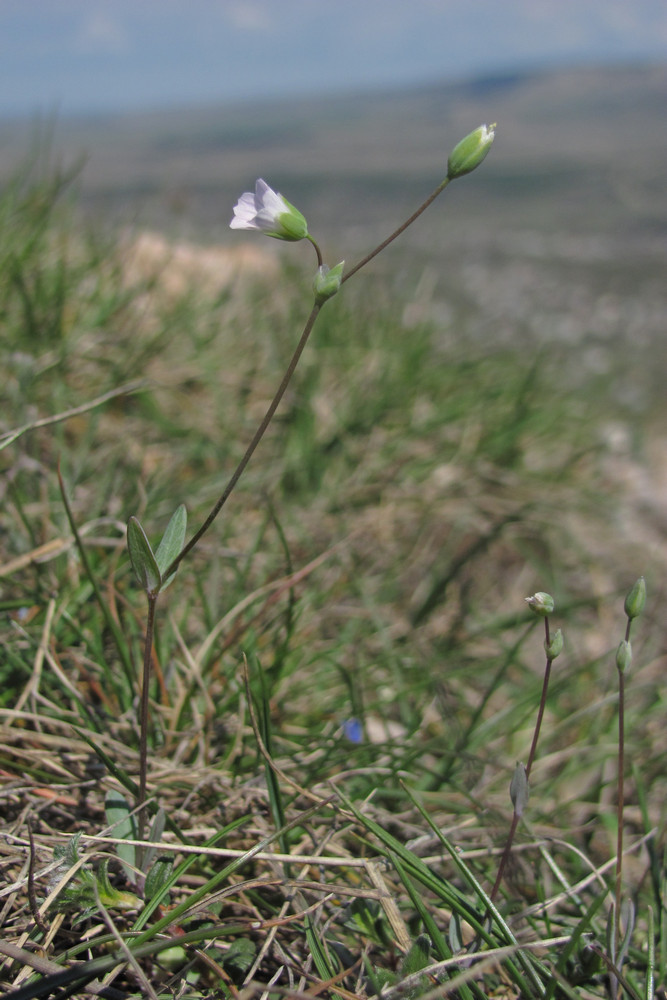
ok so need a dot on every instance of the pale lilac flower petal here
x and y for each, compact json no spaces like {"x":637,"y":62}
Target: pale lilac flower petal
{"x":268,"y":212}
{"x":245,"y":212}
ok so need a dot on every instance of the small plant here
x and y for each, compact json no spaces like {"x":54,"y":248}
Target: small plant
{"x":78,"y":888}
{"x":267,"y":212}
{"x":623,"y":921}
{"x":541,"y":604}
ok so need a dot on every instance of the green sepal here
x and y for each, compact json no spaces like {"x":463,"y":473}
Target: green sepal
{"x":172,"y":543}
{"x":624,"y":656}
{"x":541,"y":604}
{"x":554,"y":647}
{"x":327,"y":282}
{"x":293,"y":225}
{"x":142,"y":558}
{"x":634,"y":602}
{"x":469,"y":152}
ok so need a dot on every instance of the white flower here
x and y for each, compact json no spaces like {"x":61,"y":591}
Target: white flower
{"x":267,"y":212}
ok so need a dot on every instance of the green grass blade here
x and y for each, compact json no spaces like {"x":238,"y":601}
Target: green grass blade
{"x":438,"y":940}
{"x":570,"y":948}
{"x":318,"y":950}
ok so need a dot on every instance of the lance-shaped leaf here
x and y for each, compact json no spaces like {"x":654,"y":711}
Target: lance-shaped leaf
{"x":158,"y":876}
{"x":142,"y":558}
{"x":172,"y":542}
{"x":519,"y":789}
{"x":119,"y":816}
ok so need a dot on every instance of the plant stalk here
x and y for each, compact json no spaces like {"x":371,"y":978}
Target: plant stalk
{"x":620,"y":804}
{"x":250,"y":450}
{"x":275,"y":402}
{"x":397,"y":232}
{"x":143,"y":723}
{"x":531,"y":758}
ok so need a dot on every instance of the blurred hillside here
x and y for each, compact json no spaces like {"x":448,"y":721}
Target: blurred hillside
{"x":581,"y":150}
{"x":560,"y":235}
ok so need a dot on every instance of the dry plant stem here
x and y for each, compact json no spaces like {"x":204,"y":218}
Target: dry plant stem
{"x":531,"y":757}
{"x":32,"y":897}
{"x":143,"y":724}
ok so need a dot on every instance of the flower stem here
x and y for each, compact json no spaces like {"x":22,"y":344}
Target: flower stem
{"x":543,"y":702}
{"x":250,"y":450}
{"x":531,"y":758}
{"x":505,"y":857}
{"x":273,"y":406}
{"x":320,"y":260}
{"x":143,"y":723}
{"x":619,"y":814}
{"x":397,"y":232}
{"x":620,"y":792}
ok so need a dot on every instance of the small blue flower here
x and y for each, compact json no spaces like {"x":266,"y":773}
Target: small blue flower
{"x":353,"y":730}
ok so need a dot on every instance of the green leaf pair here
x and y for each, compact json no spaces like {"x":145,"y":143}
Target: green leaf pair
{"x":149,"y":567}
{"x":121,"y":818}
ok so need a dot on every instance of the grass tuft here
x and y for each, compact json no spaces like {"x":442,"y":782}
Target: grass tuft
{"x":343,"y":675}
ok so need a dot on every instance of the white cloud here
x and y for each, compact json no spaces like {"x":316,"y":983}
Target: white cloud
{"x":99,"y":32}
{"x":250,"y":16}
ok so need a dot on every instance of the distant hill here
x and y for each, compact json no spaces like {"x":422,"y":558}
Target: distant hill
{"x":559,"y":235}
{"x":581,"y":151}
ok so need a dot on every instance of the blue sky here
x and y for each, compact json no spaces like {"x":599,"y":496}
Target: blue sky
{"x":73,"y":56}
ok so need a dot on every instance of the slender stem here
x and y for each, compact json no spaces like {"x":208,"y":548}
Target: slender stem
{"x":397,"y":232}
{"x":543,"y":703}
{"x":259,"y":434}
{"x":619,"y":812}
{"x":320,"y":260}
{"x":505,"y":857}
{"x":620,"y":805}
{"x":143,"y":722}
{"x":531,"y":758}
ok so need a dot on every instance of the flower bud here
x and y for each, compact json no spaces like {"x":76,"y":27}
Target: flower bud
{"x":554,"y":647}
{"x":542,"y":604}
{"x":623,"y":656}
{"x":327,"y":282}
{"x":634,"y":602}
{"x":470,"y":152}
